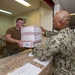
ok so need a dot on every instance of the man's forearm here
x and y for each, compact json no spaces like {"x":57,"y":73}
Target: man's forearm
{"x":50,"y":33}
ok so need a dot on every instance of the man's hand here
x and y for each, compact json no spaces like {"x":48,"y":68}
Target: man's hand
{"x":20,"y":43}
{"x":43,"y":30}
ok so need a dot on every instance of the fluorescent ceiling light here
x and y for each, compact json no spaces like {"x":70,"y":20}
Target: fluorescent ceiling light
{"x":5,"y":11}
{"x":72,"y":14}
{"x":23,"y":2}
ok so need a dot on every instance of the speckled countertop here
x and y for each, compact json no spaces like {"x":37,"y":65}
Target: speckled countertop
{"x":10,"y":63}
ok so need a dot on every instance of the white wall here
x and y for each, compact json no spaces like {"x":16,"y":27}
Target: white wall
{"x":57,"y":7}
{"x":5,"y":23}
{"x":47,"y":19}
{"x":32,"y":17}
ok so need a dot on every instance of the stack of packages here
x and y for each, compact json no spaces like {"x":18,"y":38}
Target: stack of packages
{"x":31,"y":36}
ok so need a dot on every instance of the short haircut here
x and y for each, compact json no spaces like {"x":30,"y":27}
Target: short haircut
{"x":19,"y":19}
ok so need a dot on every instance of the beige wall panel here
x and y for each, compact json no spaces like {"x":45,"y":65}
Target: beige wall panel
{"x":5,"y":23}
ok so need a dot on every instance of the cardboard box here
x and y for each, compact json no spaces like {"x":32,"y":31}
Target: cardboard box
{"x":31,"y":44}
{"x":31,"y":36}
{"x":31,"y":29}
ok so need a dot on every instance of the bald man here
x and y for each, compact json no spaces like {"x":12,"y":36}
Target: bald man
{"x":60,"y":46}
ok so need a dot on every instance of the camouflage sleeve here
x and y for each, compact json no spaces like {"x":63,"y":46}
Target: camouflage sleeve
{"x":73,"y":44}
{"x":50,"y":33}
{"x":44,"y":52}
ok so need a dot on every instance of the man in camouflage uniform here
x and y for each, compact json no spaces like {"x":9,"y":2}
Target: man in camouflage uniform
{"x":60,"y":46}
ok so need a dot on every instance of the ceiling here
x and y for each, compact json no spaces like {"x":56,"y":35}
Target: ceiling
{"x":17,"y":8}
{"x":68,"y":5}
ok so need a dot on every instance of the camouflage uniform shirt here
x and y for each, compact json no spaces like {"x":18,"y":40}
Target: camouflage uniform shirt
{"x":62,"y":48}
